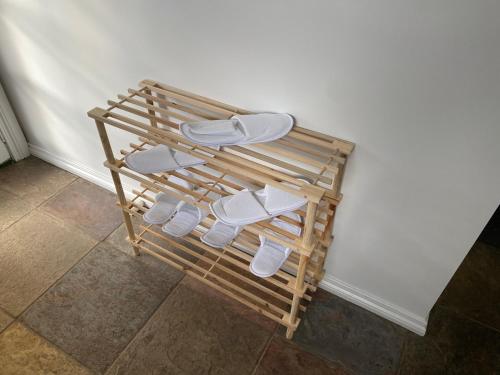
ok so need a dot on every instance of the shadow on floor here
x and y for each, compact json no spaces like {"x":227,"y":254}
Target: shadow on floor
{"x":74,"y":300}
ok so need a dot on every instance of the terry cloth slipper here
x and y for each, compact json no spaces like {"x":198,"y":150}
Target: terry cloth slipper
{"x":248,"y":207}
{"x":165,"y":205}
{"x":160,"y":158}
{"x":185,"y":219}
{"x":239,"y":129}
{"x":162,"y":210}
{"x":270,"y":256}
{"x":181,"y":182}
{"x":220,"y":234}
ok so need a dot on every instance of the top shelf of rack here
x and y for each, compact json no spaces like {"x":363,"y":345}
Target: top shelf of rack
{"x":155,"y":110}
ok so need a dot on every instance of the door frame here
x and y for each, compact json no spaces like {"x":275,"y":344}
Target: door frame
{"x":11,"y":131}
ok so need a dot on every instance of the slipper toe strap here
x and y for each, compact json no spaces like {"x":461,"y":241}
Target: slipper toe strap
{"x":244,"y":205}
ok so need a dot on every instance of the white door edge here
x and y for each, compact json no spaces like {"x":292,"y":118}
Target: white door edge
{"x":11,"y":131}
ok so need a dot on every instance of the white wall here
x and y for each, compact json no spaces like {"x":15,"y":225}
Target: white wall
{"x":415,"y":84}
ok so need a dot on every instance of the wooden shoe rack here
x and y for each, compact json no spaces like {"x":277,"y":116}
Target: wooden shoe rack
{"x":153,"y":113}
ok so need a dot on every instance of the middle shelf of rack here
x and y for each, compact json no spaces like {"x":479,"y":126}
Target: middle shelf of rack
{"x":208,"y":179}
{"x":247,"y":243}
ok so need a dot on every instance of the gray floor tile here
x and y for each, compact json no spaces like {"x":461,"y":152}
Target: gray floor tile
{"x":233,"y":305}
{"x":343,"y":332}
{"x":282,"y":357}
{"x":192,"y":333}
{"x":98,"y":307}
{"x":474,"y":289}
{"x":34,"y":253}
{"x":468,"y":347}
{"x":118,"y":238}
{"x":421,"y":356}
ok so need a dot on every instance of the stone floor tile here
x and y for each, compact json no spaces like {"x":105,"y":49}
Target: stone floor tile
{"x":118,"y":238}
{"x":98,"y":306}
{"x":343,"y":332}
{"x":468,"y":347}
{"x":5,"y":320}
{"x":474,"y":289}
{"x":421,"y":356}
{"x":34,"y":253}
{"x":22,"y":352}
{"x":193,"y":333}
{"x":12,"y":208}
{"x":233,"y":305}
{"x":282,"y":357}
{"x":33,"y":180}
{"x":89,"y":207}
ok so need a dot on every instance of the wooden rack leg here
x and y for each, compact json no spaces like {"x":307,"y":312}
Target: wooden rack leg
{"x":150,"y":111}
{"x":307,"y":240}
{"x":118,"y":184}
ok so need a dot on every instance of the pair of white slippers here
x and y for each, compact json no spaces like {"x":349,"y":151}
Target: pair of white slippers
{"x":239,"y":129}
{"x":248,"y":207}
{"x":178,"y":218}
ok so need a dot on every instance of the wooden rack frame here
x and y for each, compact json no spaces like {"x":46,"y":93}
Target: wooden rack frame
{"x":153,"y":113}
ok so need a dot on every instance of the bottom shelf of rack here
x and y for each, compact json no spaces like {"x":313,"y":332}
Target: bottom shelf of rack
{"x":222,"y":270}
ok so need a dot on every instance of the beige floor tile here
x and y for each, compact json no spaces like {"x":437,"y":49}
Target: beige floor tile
{"x":5,"y":320}
{"x":87,"y":206}
{"x":24,"y":353}
{"x":34,"y":253}
{"x":12,"y":208}
{"x":33,"y":180}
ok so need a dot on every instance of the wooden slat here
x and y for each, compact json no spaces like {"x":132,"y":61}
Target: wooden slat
{"x":219,"y":107}
{"x":256,"y":173}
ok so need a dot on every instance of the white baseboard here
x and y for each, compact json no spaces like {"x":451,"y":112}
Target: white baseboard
{"x":377,"y":305}
{"x":97,"y":177}
{"x":330,"y":283}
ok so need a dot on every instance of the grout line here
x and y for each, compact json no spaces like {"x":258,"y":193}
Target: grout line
{"x":403,"y":352}
{"x":467,"y":317}
{"x":18,"y":319}
{"x":132,"y":340}
{"x":38,"y":205}
{"x":264,"y":351}
{"x":56,"y":281}
{"x":68,"y":225}
{"x":8,"y":315}
{"x":38,"y":208}
{"x":56,"y":347}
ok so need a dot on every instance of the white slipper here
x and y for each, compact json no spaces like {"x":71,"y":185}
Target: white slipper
{"x":239,"y":129}
{"x":162,"y":210}
{"x":220,"y":234}
{"x":165,"y":205}
{"x":271,"y":256}
{"x":248,"y":207}
{"x":181,"y":182}
{"x":160,"y":158}
{"x":185,"y":219}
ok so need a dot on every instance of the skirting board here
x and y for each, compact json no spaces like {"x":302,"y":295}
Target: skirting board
{"x":376,"y":305}
{"x":330,"y":283}
{"x":96,"y":177}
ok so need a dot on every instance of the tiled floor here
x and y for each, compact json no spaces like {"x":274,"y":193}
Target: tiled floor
{"x":74,"y":300}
